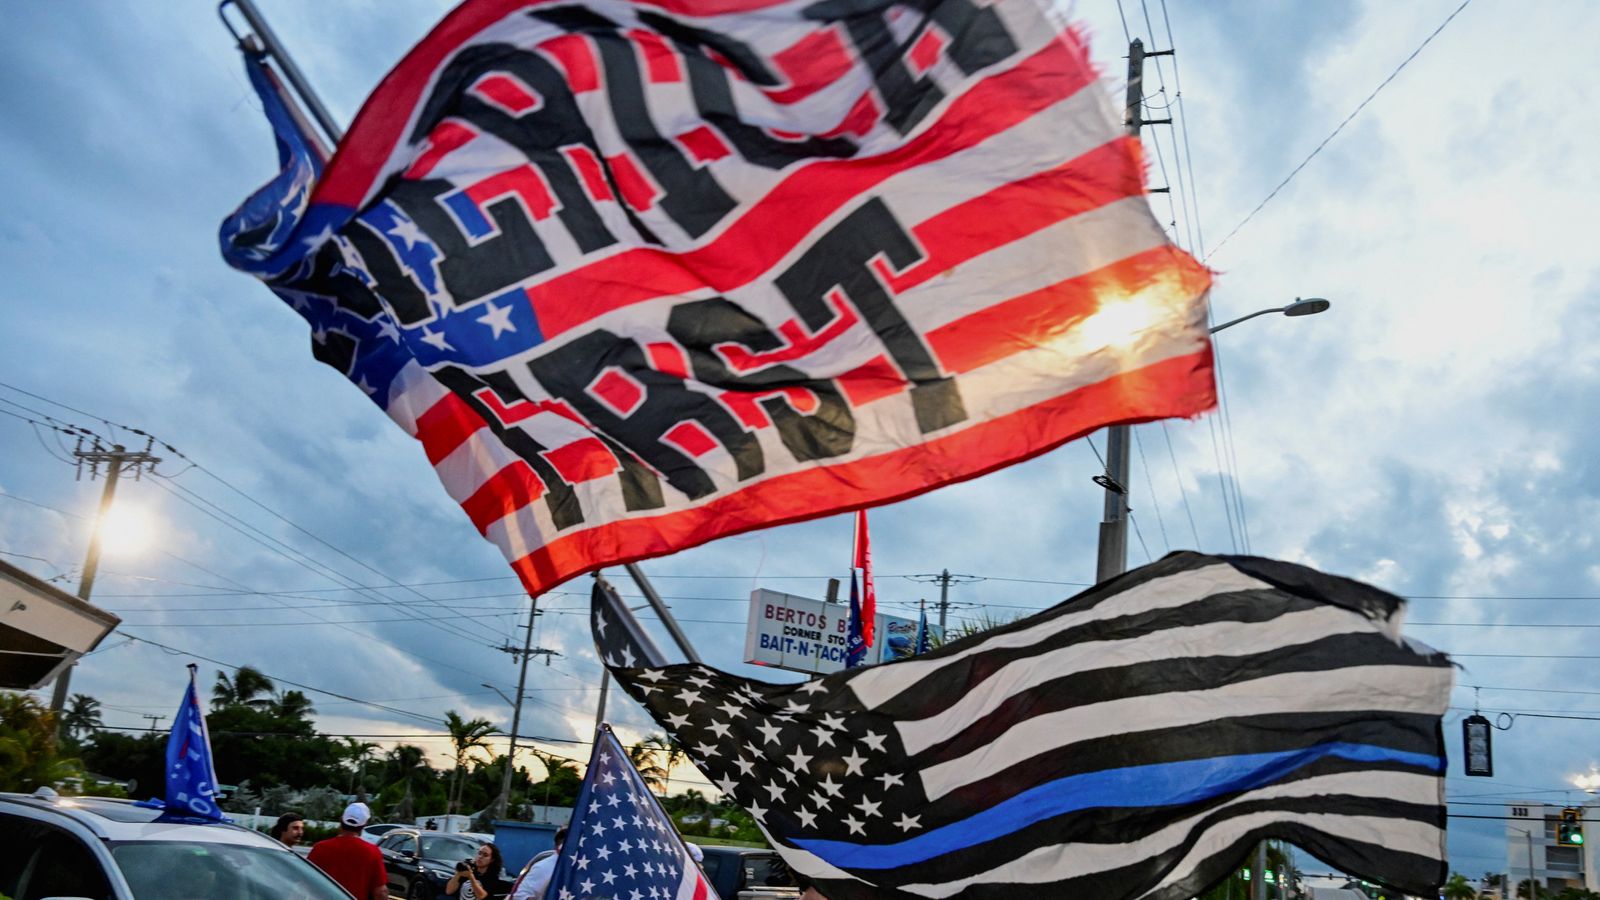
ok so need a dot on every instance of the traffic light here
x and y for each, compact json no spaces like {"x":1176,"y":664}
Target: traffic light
{"x":1569,"y":832}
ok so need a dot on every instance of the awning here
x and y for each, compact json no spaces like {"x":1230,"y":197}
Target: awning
{"x":43,"y":629}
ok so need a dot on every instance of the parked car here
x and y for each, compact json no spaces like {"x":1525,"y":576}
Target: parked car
{"x":420,"y":862}
{"x":375,"y":832}
{"x":98,"y":847}
{"x":747,"y":873}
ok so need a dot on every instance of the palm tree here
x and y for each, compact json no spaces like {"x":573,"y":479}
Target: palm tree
{"x":465,"y":737}
{"x":248,"y":687}
{"x":655,"y":757}
{"x":1457,"y":888}
{"x":82,"y":718}
{"x":1532,"y":890}
{"x":358,"y":752}
{"x":407,"y":765}
{"x":28,"y":757}
{"x":293,"y":704}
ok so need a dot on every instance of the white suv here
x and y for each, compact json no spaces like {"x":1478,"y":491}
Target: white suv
{"x":91,"y":847}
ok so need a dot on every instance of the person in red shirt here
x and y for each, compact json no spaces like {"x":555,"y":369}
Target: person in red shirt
{"x":351,"y":861}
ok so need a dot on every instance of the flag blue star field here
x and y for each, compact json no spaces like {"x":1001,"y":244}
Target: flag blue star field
{"x":639,"y":275}
{"x":191,"y":782}
{"x":1132,"y":742}
{"x":620,"y":843}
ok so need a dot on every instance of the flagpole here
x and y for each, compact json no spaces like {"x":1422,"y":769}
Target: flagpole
{"x":660,"y":607}
{"x":291,"y":71}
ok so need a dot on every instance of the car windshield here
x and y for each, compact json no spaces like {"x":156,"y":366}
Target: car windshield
{"x":447,"y":847}
{"x":174,"y":870}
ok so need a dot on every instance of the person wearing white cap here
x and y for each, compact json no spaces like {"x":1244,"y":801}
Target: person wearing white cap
{"x":351,"y":861}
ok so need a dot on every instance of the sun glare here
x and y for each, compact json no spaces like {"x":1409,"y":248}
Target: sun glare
{"x":1121,"y":323}
{"x":125,"y":530}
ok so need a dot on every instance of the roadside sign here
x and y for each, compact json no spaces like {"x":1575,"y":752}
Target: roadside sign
{"x":804,"y":635}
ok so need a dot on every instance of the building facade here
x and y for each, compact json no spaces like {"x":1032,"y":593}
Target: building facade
{"x":1531,"y":844}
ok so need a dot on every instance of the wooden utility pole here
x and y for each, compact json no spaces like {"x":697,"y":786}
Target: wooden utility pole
{"x":116,"y":461}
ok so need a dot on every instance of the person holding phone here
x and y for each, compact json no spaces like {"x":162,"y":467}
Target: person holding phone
{"x":479,"y":878}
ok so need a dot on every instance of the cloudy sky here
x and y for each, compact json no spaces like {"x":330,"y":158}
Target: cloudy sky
{"x":1432,"y":433}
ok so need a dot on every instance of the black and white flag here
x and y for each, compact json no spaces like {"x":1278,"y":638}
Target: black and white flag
{"x":1134,"y":741}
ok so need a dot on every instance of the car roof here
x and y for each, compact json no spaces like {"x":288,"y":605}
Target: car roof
{"x":723,"y":849}
{"x":120,"y":820}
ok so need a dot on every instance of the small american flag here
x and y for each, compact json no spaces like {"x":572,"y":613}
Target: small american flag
{"x":1133,"y":742}
{"x":620,"y":843}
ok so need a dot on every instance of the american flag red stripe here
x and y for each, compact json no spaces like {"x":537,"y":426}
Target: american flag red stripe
{"x":1183,"y":382}
{"x":755,"y":243}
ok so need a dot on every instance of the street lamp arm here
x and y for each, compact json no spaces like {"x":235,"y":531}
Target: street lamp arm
{"x":508,"y":700}
{"x":1259,"y":312}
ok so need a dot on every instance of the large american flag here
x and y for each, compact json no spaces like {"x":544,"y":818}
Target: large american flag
{"x":1132,"y":742}
{"x":638,"y":275}
{"x":620,"y":843}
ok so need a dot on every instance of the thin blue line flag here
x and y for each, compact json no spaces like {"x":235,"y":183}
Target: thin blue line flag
{"x":1132,"y":743}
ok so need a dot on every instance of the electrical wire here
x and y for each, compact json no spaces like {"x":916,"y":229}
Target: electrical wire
{"x":1150,"y":483}
{"x":1335,"y":133}
{"x":1183,"y":492}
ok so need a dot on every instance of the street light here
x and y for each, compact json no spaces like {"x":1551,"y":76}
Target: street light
{"x":508,"y":700}
{"x":1308,"y":306}
{"x":1112,"y":556}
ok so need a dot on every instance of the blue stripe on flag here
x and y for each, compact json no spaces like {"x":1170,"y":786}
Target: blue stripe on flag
{"x":1160,"y":784}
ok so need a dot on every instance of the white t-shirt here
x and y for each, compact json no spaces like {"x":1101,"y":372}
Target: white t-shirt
{"x":535,"y":881}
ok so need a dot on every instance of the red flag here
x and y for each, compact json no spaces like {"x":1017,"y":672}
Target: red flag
{"x":863,"y":561}
{"x":638,"y":276}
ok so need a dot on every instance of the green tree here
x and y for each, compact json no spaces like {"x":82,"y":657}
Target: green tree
{"x":82,"y":716}
{"x":293,"y":705}
{"x":466,"y":735}
{"x":138,"y":759}
{"x":407,"y":770}
{"x":357,"y":754}
{"x":29,"y":756}
{"x":561,"y":780}
{"x":1532,"y":890}
{"x":655,"y":757}
{"x":1458,"y":888}
{"x":247,"y":687}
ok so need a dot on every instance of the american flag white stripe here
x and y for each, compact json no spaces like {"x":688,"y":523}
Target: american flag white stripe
{"x":1409,"y":689}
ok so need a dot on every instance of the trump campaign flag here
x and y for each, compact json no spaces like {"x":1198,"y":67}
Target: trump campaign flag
{"x":638,"y":275}
{"x":620,"y":843}
{"x":1132,"y":742}
{"x":191,"y":782}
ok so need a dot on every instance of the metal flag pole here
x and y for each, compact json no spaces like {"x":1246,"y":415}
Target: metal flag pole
{"x":660,"y":607}
{"x":291,"y":71}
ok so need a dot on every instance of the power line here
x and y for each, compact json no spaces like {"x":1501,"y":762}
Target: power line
{"x":294,"y":557}
{"x":224,"y":516}
{"x":1183,"y":492}
{"x":274,"y":624}
{"x":1151,"y":484}
{"x":1347,"y":119}
{"x":281,"y":680}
